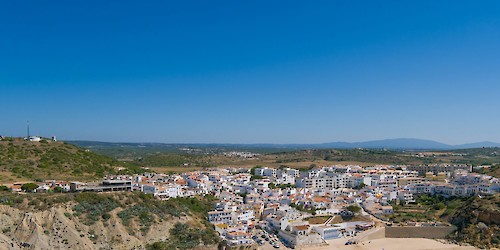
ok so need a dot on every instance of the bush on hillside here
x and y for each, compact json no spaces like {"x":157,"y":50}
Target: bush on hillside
{"x":92,"y":206}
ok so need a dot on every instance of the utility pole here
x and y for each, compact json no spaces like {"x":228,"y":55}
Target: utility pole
{"x":28,"y":128}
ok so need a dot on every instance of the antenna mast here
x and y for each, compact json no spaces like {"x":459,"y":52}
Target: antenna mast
{"x":28,"y":127}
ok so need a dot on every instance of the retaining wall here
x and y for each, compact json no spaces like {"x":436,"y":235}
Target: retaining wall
{"x":419,"y":232}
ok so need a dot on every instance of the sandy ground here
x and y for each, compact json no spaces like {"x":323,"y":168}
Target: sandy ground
{"x":391,"y":244}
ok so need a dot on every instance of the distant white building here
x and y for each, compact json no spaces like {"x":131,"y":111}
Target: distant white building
{"x":34,"y":138}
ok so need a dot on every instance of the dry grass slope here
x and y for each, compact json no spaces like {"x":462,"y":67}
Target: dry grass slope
{"x":23,"y":160}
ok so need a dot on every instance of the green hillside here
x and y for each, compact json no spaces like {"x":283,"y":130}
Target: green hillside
{"x":24,"y":160}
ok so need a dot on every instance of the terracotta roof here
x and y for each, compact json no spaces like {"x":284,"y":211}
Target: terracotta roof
{"x":320,"y":199}
{"x":180,"y":181}
{"x":302,"y":228}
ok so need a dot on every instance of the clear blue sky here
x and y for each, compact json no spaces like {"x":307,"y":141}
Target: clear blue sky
{"x":251,"y":71}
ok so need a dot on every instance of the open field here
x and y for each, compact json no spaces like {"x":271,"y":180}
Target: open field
{"x":166,"y":170}
{"x":297,"y":165}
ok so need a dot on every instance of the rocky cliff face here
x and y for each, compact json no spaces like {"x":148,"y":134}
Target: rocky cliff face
{"x":55,"y":228}
{"x":478,"y":222}
{"x":489,"y":217}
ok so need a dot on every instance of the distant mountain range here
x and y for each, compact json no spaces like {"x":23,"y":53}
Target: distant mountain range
{"x":407,"y":143}
{"x":398,"y":144}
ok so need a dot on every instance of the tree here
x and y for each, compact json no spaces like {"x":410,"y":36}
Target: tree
{"x":243,"y":195}
{"x":252,"y":170}
{"x":354,"y":208}
{"x":58,"y":189}
{"x":4,"y":188}
{"x":256,"y":177}
{"x":29,"y":187}
{"x":361,"y":185}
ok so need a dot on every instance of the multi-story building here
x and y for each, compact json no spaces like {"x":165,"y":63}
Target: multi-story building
{"x":325,"y":181}
{"x":435,"y":169}
{"x":222,"y":216}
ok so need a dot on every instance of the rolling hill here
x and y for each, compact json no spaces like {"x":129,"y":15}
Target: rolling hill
{"x":25,"y":160}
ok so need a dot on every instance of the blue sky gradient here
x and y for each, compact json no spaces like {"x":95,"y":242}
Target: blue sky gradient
{"x":251,"y":71}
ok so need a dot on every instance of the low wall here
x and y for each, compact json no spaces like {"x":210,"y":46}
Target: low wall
{"x":371,"y":234}
{"x":419,"y":232}
{"x":224,"y":246}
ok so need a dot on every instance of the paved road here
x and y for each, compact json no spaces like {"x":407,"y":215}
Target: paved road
{"x":267,"y":245}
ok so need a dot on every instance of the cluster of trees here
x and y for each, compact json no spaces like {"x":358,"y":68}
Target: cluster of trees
{"x":304,"y":209}
{"x":254,"y":176}
{"x":29,"y":187}
{"x":281,"y":186}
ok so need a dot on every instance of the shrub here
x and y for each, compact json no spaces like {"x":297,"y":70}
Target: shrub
{"x":158,"y":246}
{"x":439,"y":206}
{"x":185,"y":237}
{"x":93,"y":205}
{"x":106,"y":216}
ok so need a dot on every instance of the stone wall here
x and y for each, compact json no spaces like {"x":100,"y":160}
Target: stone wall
{"x":371,"y":234}
{"x":224,"y":246}
{"x":419,"y":232}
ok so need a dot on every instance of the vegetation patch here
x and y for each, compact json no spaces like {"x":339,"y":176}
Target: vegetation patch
{"x":148,"y":209}
{"x":91,"y":206}
{"x":478,"y":222}
{"x":56,"y":160}
{"x":183,"y":236}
